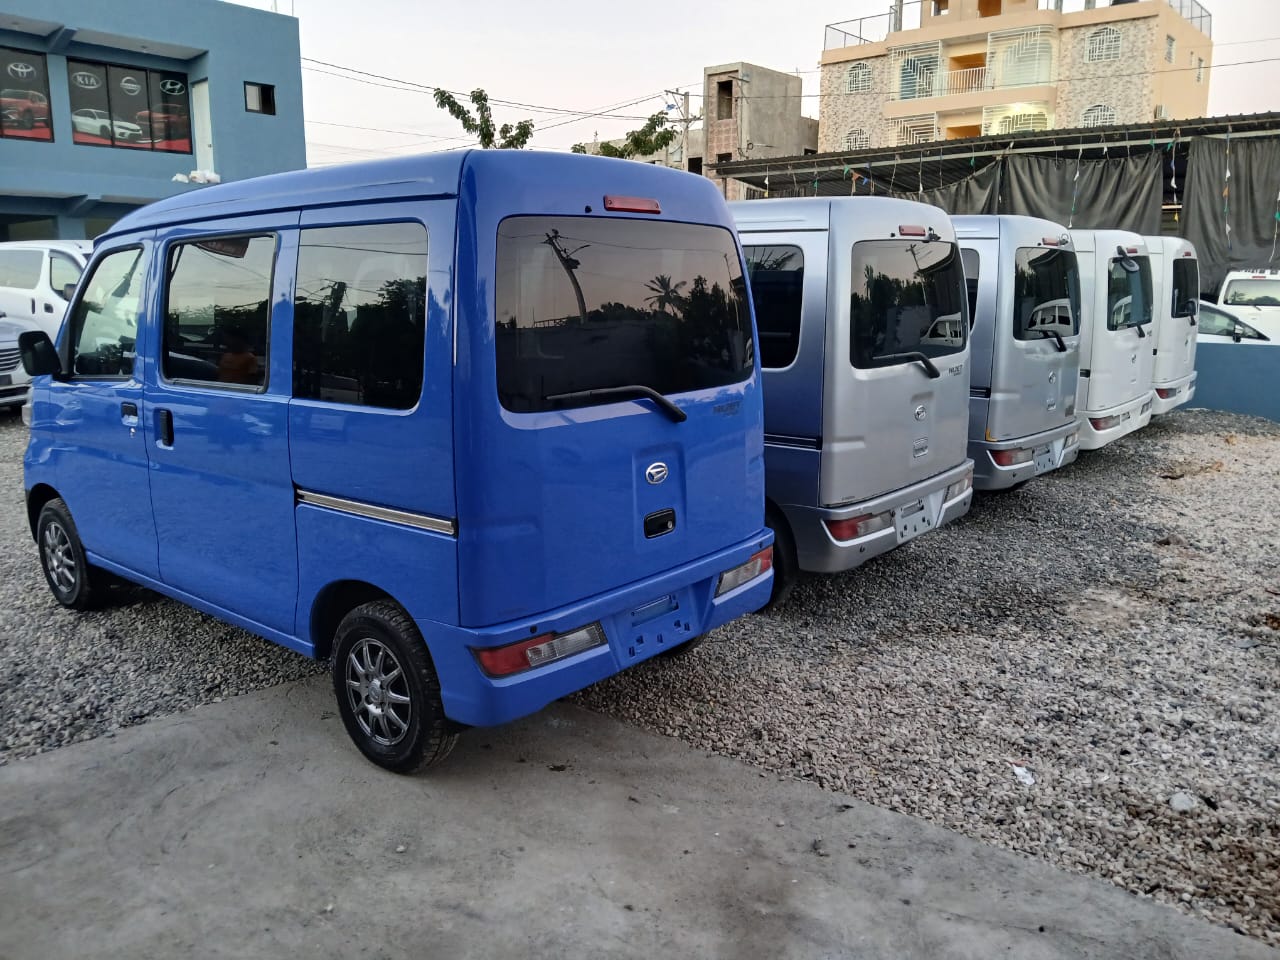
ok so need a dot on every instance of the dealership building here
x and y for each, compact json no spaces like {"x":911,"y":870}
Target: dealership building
{"x":103,"y":105}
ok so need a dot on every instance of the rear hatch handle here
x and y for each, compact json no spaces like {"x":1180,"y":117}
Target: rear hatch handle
{"x":631,"y":390}
{"x":917,"y":356}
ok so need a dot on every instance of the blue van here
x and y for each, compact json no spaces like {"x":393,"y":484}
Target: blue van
{"x":480,"y":428}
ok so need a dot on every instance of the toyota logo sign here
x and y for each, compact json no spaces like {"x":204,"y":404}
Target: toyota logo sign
{"x":130,"y":86}
{"x":656,"y":472}
{"x":173,"y":87}
{"x":22,"y":71}
{"x":86,"y":80}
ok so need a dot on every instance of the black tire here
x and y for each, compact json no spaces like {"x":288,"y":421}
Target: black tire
{"x":104,"y":133}
{"x":397,"y":723}
{"x":26,"y":120}
{"x":786,"y":568}
{"x":74,"y":583}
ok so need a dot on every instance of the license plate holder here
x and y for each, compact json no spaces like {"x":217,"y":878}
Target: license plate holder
{"x":1044,"y":460}
{"x":912,"y":520}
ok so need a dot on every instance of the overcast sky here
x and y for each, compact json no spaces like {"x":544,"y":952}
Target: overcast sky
{"x":587,"y":55}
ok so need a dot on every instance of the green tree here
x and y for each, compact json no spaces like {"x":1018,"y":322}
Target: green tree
{"x":665,"y":293}
{"x":480,"y":123}
{"x":655,"y":135}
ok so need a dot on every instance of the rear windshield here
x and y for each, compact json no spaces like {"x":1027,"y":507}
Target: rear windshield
{"x":909,"y":297}
{"x":1186,"y":286}
{"x":1046,"y":294}
{"x":1253,"y":293}
{"x":1129,"y":294}
{"x":585,"y":303}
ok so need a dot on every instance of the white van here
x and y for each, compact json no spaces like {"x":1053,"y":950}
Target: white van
{"x":1117,"y":339}
{"x":1254,"y":297}
{"x":37,"y":277}
{"x":1175,"y":282}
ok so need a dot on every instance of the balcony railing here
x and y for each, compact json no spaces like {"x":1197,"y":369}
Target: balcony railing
{"x":1191,"y":11}
{"x":946,"y":84}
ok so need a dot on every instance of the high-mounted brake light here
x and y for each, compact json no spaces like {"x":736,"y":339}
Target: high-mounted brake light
{"x":912,"y":231}
{"x":1132,"y":250}
{"x":538,"y":651}
{"x":1187,"y":253}
{"x":631,"y":204}
{"x":1050,"y":241}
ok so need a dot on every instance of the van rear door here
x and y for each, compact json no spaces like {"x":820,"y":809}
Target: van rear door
{"x":622,"y":434}
{"x":1124,"y":339}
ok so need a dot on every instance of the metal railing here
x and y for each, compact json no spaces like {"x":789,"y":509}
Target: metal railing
{"x":1191,"y":11}
{"x":948,"y":83}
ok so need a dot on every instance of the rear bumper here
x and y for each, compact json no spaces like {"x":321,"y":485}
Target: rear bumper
{"x":639,"y":620}
{"x":819,"y":552}
{"x":1133,"y":415}
{"x":1176,"y":393}
{"x":1051,"y":450}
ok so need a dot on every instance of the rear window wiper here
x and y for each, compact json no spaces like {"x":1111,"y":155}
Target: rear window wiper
{"x":1046,"y":334}
{"x":631,"y":390}
{"x":1142,"y":334}
{"x":917,"y":356}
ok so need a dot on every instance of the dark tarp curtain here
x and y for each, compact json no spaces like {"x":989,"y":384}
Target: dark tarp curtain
{"x":976,"y":194}
{"x":1255,"y":186}
{"x":1123,"y":193}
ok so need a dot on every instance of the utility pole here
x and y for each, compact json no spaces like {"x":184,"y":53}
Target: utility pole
{"x":682,"y":100}
{"x":570,"y":264}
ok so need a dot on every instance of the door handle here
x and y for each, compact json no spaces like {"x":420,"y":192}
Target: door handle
{"x":165,"y":419}
{"x":128,"y":409}
{"x":48,"y":308}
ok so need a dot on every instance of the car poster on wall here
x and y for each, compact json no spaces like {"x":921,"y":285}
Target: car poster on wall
{"x":24,"y":95}
{"x":117,"y":106}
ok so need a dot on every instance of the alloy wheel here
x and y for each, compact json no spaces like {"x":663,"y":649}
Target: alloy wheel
{"x":378,"y":692}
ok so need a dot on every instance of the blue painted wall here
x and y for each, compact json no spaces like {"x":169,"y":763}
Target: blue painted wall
{"x":1238,"y":378}
{"x":222,"y":43}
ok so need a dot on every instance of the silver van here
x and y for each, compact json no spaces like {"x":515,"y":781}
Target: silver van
{"x":1024,"y":300}
{"x":36,"y":277}
{"x":863,"y":330}
{"x":1175,"y":285}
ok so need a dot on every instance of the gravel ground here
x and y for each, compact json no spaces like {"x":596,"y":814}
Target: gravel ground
{"x":1110,"y":632}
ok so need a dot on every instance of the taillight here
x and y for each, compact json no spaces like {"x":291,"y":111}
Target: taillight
{"x":538,"y":651}
{"x":960,"y":487}
{"x":1145,"y":407}
{"x":1011,"y":458}
{"x":759,"y":564}
{"x":631,"y":204}
{"x":1164,"y":394}
{"x":860,"y":526}
{"x":1073,"y":439}
{"x":1104,"y":423}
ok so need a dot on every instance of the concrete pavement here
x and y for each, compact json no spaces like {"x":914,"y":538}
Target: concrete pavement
{"x":252,"y":828}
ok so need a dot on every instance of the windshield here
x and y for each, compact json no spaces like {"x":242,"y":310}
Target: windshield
{"x":908,"y":297}
{"x":1129,"y":294}
{"x":585,"y":303}
{"x":1253,"y":293}
{"x":1186,"y":286}
{"x":1046,"y":294}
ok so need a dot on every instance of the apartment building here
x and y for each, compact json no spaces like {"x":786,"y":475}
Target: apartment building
{"x":951,"y":69}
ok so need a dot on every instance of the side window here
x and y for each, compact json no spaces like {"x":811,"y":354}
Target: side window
{"x":20,"y":268}
{"x":104,"y":321}
{"x":777,"y":284}
{"x":218,"y":309}
{"x":1186,"y":286}
{"x":972,"y":270}
{"x":359,"y":315}
{"x":63,"y":271}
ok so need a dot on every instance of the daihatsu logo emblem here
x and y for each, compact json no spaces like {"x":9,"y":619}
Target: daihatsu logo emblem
{"x":921,"y":412}
{"x":130,"y":86}
{"x":86,"y":80}
{"x":22,"y":71}
{"x":173,"y":87}
{"x":656,"y":472}
{"x":1053,"y":376}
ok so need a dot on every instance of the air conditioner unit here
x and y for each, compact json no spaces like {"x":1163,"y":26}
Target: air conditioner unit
{"x":1162,"y":113}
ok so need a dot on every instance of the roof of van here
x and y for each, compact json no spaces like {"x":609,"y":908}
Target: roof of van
{"x":520,"y":173}
{"x":989,"y":226}
{"x":82,"y":247}
{"x":1090,"y":240}
{"x":815,"y":213}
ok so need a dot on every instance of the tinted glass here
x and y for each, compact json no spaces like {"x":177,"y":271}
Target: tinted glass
{"x":62,"y":271}
{"x":1253,"y":293}
{"x":168,"y":121}
{"x":1186,"y":286}
{"x":217,"y":310}
{"x":1046,"y":294}
{"x":124,"y":106}
{"x":24,"y":95}
{"x":588,"y":303}
{"x":777,"y":285}
{"x":972,"y":272}
{"x":359,"y":316}
{"x":908,"y":297}
{"x":20,"y":268}
{"x":104,"y":321}
{"x":1129,"y":297}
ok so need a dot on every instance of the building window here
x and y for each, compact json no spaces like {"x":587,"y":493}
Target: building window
{"x":940,"y":7}
{"x":695,"y":165}
{"x":24,"y":96}
{"x":1104,"y":44}
{"x":724,"y":100}
{"x":1170,"y":49}
{"x":1200,"y":70}
{"x":723,"y":158}
{"x":260,"y":98}
{"x":858,"y":79}
{"x":1099,"y":115}
{"x":857,"y":140}
{"x":115,"y":106}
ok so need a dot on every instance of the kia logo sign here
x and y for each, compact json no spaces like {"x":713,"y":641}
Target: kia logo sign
{"x":130,"y":86}
{"x":22,"y":71}
{"x":86,"y":80}
{"x":173,"y":87}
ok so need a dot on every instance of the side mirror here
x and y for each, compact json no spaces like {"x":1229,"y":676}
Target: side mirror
{"x":39,"y":355}
{"x":1193,"y":307}
{"x":68,"y":291}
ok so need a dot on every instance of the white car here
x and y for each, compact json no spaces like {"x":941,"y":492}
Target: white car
{"x":1254,"y":297}
{"x":99,"y":124}
{"x":36,"y":280}
{"x":1215,"y":324}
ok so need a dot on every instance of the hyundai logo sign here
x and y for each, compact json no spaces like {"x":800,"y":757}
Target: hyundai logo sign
{"x":173,"y":87}
{"x":130,"y":86}
{"x":656,"y":472}
{"x":86,"y":80}
{"x":22,"y":71}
